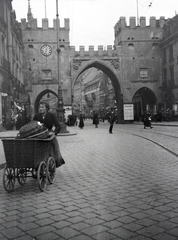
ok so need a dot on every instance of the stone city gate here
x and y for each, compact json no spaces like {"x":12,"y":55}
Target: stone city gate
{"x":73,"y":64}
{"x":107,"y":61}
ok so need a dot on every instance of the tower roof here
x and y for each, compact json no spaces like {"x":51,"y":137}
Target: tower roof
{"x":29,"y":14}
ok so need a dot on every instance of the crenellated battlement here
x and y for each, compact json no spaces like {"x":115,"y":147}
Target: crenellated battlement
{"x":100,"y":52}
{"x":153,"y":23}
{"x":33,"y":24}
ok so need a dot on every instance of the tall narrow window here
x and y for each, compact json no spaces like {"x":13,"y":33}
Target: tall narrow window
{"x":172,"y":76}
{"x":164,"y":56}
{"x":3,"y":46}
{"x":164,"y":78}
{"x":171,"y":56}
{"x":165,"y":75}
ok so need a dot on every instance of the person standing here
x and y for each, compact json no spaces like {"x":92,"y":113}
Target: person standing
{"x":20,"y":116}
{"x":95,"y":119}
{"x":49,"y":120}
{"x":81,"y":122}
{"x":111,"y":119}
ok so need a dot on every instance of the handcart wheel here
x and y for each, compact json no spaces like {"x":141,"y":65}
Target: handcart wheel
{"x":9,"y":178}
{"x":51,"y":167}
{"x":42,"y":176}
{"x":34,"y":173}
{"x":52,"y":151}
{"x":21,"y":175}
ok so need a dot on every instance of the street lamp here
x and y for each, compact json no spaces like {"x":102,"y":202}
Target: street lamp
{"x":81,"y":102}
{"x":60,"y":110}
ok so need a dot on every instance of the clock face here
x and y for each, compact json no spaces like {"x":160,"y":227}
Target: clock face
{"x":46,"y":50}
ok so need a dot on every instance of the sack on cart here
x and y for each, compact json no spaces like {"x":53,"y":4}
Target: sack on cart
{"x":33,"y":129}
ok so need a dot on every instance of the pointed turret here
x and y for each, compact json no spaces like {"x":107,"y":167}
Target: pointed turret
{"x":29,"y":14}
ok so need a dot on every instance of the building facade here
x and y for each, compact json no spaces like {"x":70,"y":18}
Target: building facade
{"x":169,"y":56}
{"x":11,"y":63}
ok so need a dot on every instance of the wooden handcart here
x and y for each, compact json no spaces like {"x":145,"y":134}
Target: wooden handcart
{"x":28,"y":158}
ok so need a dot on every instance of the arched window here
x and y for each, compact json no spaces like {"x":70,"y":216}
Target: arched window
{"x":131,"y":46}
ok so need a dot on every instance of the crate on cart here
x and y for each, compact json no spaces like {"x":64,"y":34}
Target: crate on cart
{"x":28,"y":155}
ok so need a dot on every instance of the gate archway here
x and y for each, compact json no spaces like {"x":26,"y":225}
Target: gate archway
{"x":51,"y":98}
{"x":105,"y":68}
{"x":144,"y":100}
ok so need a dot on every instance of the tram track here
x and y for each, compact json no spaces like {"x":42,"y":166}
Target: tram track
{"x":166,"y":140}
{"x":158,"y":144}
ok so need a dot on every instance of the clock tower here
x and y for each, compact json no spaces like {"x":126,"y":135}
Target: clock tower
{"x":40,"y":61}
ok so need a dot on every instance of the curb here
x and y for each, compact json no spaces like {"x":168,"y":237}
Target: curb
{"x":69,"y":133}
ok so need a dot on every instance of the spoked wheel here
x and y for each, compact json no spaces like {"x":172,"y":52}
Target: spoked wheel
{"x":34,"y":173}
{"x":51,"y":167}
{"x":52,"y":151}
{"x":42,"y":176}
{"x":21,"y":175}
{"x":9,"y":178}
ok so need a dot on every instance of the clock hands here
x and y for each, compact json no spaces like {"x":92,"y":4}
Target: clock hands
{"x":46,"y":50}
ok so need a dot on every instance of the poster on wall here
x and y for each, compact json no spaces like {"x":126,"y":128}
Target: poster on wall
{"x":128,"y":111}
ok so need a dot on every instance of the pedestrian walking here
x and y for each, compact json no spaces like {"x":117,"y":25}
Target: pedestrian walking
{"x":81,"y":122}
{"x":147,"y":121}
{"x":111,"y":119}
{"x":50,"y":120}
{"x":95,"y":119}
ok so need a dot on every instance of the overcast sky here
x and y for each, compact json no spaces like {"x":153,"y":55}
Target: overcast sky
{"x":92,"y":21}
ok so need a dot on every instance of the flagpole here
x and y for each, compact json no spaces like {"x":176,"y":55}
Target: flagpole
{"x":138,"y":22}
{"x":45,"y":9}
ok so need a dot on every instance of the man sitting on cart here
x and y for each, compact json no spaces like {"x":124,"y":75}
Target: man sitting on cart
{"x":49,"y":120}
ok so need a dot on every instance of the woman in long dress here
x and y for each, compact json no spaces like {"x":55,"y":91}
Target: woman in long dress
{"x":49,"y":120}
{"x":95,"y":119}
{"x":81,"y":122}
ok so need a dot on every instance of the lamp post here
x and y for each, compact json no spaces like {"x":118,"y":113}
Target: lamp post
{"x":81,"y":102}
{"x":60,"y":110}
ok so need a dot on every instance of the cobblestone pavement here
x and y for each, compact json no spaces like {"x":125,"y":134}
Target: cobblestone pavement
{"x":113,"y":186}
